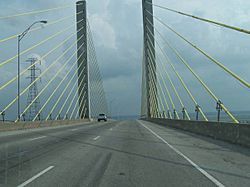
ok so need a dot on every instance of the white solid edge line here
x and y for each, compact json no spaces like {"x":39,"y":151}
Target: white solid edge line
{"x":37,"y":138}
{"x":35,"y":177}
{"x":96,"y":137}
{"x":210,"y":177}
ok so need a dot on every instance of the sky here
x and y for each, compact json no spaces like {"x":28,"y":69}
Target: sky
{"x":118,"y":35}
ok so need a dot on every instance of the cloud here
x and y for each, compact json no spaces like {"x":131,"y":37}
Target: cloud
{"x":117,"y":34}
{"x":104,"y":33}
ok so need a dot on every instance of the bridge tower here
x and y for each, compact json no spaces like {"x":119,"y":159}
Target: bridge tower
{"x":82,"y":55}
{"x":149,"y":99}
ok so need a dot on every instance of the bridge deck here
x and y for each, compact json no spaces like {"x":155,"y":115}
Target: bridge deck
{"x":125,"y":153}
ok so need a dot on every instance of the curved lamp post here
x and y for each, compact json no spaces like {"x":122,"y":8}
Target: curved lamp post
{"x":20,"y":37}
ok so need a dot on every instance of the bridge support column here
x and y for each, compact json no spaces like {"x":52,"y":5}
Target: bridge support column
{"x":150,"y":89}
{"x":82,"y":55}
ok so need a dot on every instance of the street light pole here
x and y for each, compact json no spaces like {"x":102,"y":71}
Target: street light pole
{"x":19,"y":38}
{"x":18,"y":78}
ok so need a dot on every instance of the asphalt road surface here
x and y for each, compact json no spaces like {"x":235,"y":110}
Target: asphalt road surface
{"x":119,"y":154}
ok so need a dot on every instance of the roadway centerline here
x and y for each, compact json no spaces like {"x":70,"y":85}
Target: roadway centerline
{"x":210,"y":177}
{"x":35,"y":177}
{"x":96,"y":137}
{"x":40,"y":137}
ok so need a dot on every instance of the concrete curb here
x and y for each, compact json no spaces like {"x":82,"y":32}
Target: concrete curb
{"x":230,"y":132}
{"x":11,"y":126}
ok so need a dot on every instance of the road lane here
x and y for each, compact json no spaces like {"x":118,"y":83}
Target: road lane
{"x":36,"y":176}
{"x":21,"y":158}
{"x":127,"y":155}
{"x":206,"y":174}
{"x":96,"y":138}
{"x":227,"y":162}
{"x":140,"y":159}
{"x":37,"y":138}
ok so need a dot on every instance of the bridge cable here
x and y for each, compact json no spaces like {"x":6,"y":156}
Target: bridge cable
{"x":162,"y":93}
{"x":203,"y":84}
{"x":165,"y":86}
{"x":154,"y":108}
{"x":51,"y":95}
{"x":97,"y":78}
{"x":168,"y":93}
{"x":50,"y":81}
{"x":159,"y":86}
{"x":36,"y":45}
{"x":81,"y":102}
{"x":159,"y":99}
{"x":172,"y":85}
{"x":66,"y":100}
{"x":57,"y":87}
{"x":204,"y":53}
{"x":202,"y":19}
{"x":85,"y":110}
{"x":97,"y":67}
{"x":153,"y":79}
{"x":84,"y":94}
{"x":95,"y":85}
{"x":35,"y":12}
{"x":143,"y":87}
{"x":38,"y":78}
{"x":71,"y":103}
{"x":77,"y":116}
{"x":178,"y":75}
{"x":39,"y":28}
{"x":43,"y":56}
{"x":152,"y":91}
{"x":77,"y":101}
{"x":65,"y":89}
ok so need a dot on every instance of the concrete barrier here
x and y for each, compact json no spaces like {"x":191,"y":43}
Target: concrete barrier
{"x":9,"y":126}
{"x":230,"y":132}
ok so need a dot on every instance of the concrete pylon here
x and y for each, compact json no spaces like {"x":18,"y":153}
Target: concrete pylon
{"x":82,"y":55}
{"x":151,"y":108}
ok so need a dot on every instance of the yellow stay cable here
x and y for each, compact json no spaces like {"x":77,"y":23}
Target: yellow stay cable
{"x":205,"y":86}
{"x":50,"y":81}
{"x":54,"y":91}
{"x":156,"y":85}
{"x":168,"y":93}
{"x":38,"y":78}
{"x":35,"y":12}
{"x":66,"y":87}
{"x":203,"y":19}
{"x":171,"y":83}
{"x":43,"y":57}
{"x":205,"y":54}
{"x":36,"y":45}
{"x":38,"y":28}
{"x":177,"y":74}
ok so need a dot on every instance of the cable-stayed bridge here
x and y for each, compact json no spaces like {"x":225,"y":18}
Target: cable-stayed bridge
{"x":159,"y":91}
{"x":69,"y":79}
{"x":52,"y":92}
